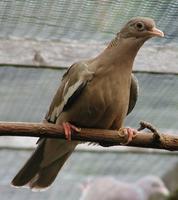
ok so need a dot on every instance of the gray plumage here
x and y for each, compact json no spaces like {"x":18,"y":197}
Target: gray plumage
{"x":109,"y":188}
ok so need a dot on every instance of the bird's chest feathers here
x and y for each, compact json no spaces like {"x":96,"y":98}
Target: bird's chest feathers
{"x":111,"y":93}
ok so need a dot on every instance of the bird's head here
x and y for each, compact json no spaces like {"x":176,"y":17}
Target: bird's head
{"x":153,"y":186}
{"x":140,"y":28}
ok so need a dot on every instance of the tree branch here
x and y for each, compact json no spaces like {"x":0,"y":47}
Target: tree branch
{"x":103,"y":137}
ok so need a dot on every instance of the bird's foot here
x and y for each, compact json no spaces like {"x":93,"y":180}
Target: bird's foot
{"x":146,"y":125}
{"x":68,"y":127}
{"x":130,"y":132}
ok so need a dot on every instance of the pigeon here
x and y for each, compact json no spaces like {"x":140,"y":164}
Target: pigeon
{"x":94,"y":93}
{"x":109,"y":188}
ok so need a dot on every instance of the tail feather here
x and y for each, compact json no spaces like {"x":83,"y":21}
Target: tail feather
{"x":30,"y":168}
{"x":36,"y":175}
{"x":47,"y":175}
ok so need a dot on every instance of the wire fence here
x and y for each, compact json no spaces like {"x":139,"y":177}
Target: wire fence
{"x":81,"y":19}
{"x":26,"y":91}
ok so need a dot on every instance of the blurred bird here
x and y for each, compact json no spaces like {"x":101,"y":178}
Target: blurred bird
{"x":109,"y":188}
{"x":95,"y":93}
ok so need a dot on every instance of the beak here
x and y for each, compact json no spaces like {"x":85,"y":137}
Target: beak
{"x":156,"y":32}
{"x":165,"y":192}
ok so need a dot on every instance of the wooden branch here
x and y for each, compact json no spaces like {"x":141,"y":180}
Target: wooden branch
{"x":103,"y":137}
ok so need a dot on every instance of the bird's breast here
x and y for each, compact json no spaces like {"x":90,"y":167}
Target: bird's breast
{"x":102,"y":101}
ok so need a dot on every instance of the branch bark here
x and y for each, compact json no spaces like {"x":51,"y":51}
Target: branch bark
{"x":103,"y":137}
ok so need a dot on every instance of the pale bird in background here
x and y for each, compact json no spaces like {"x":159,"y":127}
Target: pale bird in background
{"x":109,"y":188}
{"x":94,"y":93}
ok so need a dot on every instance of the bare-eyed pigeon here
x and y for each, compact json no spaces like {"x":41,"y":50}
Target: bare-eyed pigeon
{"x":93,"y":93}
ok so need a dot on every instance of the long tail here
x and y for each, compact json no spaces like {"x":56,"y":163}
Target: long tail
{"x":43,"y":166}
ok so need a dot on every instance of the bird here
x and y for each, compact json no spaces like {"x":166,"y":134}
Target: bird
{"x":95,"y":93}
{"x":109,"y":188}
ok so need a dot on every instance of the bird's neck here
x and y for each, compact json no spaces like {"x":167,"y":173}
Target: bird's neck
{"x":120,"y":53}
{"x":113,"y":43}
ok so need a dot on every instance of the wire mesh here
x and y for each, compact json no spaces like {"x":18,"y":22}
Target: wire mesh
{"x":80,"y":168}
{"x":81,"y":19}
{"x":27,"y":92}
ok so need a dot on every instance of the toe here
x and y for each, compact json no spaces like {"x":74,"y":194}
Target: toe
{"x":67,"y":131}
{"x":131,"y":133}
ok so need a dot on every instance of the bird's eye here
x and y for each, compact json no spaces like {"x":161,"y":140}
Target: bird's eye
{"x":154,"y":184}
{"x":140,"y":26}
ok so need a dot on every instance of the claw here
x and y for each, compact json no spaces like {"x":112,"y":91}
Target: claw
{"x":131,"y":133}
{"x":68,"y":129}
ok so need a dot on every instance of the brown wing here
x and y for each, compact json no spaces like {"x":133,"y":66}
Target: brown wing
{"x":73,"y":83}
{"x":134,"y":89}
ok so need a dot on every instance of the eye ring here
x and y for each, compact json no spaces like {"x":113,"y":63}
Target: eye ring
{"x":140,"y":26}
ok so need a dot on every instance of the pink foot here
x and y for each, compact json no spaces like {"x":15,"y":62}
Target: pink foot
{"x":131,"y":134}
{"x":68,"y":129}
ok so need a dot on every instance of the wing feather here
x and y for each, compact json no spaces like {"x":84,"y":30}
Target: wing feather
{"x":73,"y":83}
{"x":134,"y":90}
